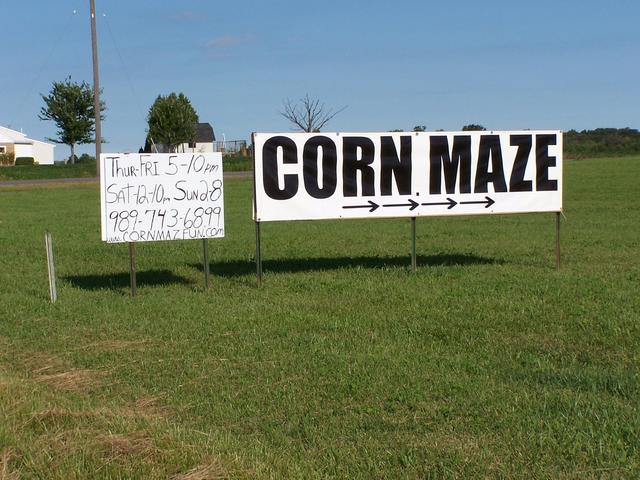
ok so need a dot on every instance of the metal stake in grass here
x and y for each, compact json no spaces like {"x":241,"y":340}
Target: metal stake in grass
{"x":255,"y":211}
{"x":258,"y":255}
{"x":557,"y":240}
{"x":205,"y":254}
{"x":132,"y":268}
{"x":414,"y":262}
{"x":53,"y":291}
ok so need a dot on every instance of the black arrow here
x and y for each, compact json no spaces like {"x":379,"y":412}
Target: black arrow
{"x":488,"y":201}
{"x":450,"y":201}
{"x":412,"y":203}
{"x":372,"y":206}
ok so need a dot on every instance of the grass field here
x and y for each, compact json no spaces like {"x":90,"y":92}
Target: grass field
{"x":33,"y":172}
{"x":485,"y":363}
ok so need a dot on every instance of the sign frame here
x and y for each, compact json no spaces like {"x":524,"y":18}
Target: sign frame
{"x":544,"y":158}
{"x":207,"y":193}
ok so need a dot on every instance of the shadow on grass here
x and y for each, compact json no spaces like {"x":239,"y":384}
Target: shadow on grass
{"x":236,"y":268}
{"x":116,"y":281}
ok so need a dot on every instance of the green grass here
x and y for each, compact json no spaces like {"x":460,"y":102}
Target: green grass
{"x":237,"y":163}
{"x":486,"y":363}
{"x":33,"y":172}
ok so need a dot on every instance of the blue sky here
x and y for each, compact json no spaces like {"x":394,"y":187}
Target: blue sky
{"x":503,"y":64}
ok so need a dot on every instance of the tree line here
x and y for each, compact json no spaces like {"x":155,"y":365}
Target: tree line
{"x":585,"y":143}
{"x":172,"y":121}
{"x":601,"y":142}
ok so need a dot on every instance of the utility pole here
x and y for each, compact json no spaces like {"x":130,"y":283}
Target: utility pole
{"x":96,"y":84}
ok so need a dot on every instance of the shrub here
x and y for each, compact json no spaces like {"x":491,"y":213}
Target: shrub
{"x":7,"y":158}
{"x":24,"y":161}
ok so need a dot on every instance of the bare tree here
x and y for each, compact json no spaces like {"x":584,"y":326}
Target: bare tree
{"x":308,"y":114}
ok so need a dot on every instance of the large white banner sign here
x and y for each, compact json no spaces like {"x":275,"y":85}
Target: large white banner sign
{"x":301,"y":176}
{"x":161,"y":196}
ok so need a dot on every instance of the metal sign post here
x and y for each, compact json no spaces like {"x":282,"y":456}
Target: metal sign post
{"x":255,"y":214}
{"x":205,"y":252}
{"x":258,"y":255}
{"x":557,"y":240}
{"x":132,"y":268}
{"x":414,"y":262}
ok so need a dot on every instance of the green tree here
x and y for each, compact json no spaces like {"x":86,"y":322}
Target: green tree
{"x":172,"y":121}
{"x":420,"y":128}
{"x":70,"y":106}
{"x":473,"y":127}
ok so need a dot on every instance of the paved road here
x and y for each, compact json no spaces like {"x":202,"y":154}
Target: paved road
{"x":49,"y":181}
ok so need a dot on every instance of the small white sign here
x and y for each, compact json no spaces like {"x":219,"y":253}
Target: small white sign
{"x":161,"y":196}
{"x":306,"y":176}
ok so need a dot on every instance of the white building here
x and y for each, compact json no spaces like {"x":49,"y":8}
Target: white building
{"x":12,"y":141}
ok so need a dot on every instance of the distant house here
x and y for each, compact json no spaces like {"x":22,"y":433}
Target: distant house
{"x":203,"y":142}
{"x":12,"y":141}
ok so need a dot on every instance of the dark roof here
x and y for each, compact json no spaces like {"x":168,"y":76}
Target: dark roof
{"x":204,"y":133}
